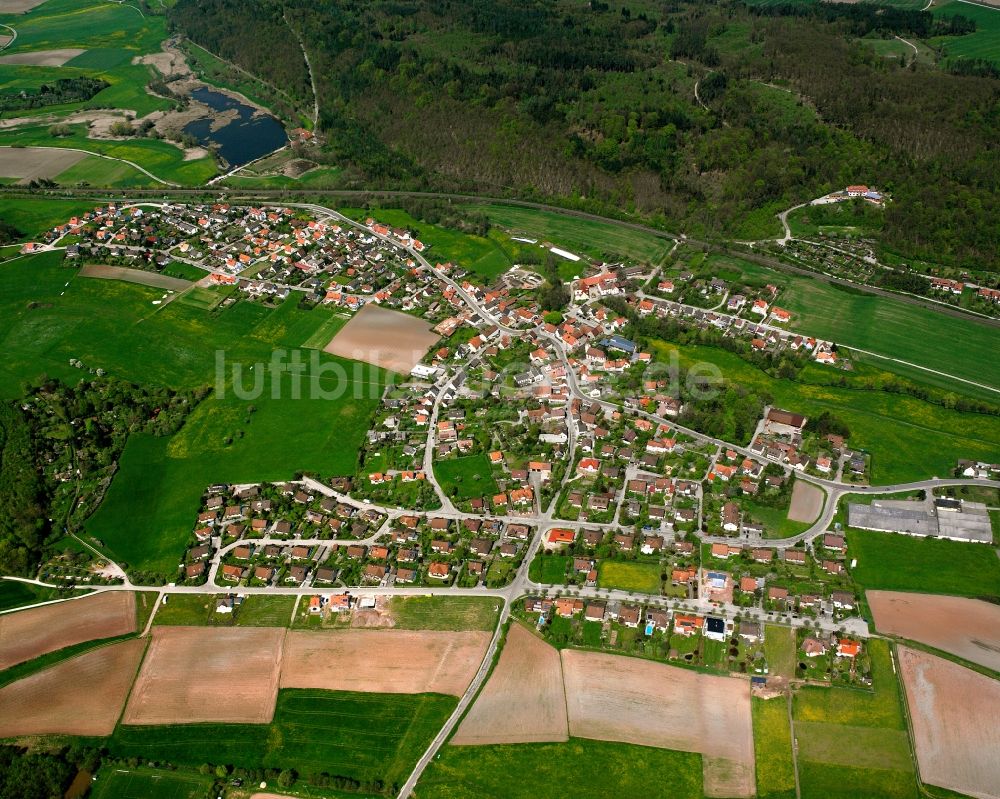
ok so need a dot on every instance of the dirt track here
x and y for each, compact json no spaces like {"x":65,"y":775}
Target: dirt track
{"x":27,"y":634}
{"x":807,"y":502}
{"x":955,"y":730}
{"x":80,"y":696}
{"x":204,"y":674}
{"x":616,"y":698}
{"x":969,"y":628}
{"x":524,"y":700}
{"x":383,"y":661}
{"x":101,"y":271}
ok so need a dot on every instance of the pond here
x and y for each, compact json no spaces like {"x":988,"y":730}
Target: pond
{"x":248,"y":137}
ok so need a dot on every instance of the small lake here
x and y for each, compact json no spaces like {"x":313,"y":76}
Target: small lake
{"x":243,"y":140}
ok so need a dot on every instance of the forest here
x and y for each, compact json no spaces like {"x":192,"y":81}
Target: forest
{"x":63,"y":90}
{"x":593,"y":106}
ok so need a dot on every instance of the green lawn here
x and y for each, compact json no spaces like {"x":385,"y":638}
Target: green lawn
{"x":189,"y":610}
{"x":775,"y":519}
{"x":579,"y":236}
{"x":258,"y":610}
{"x":115,"y":782}
{"x":579,"y":768}
{"x":464,"y":478}
{"x":149,"y":510}
{"x":895,"y":562}
{"x":779,"y":650}
{"x":908,"y":439}
{"x":369,"y":737}
{"x":548,"y":569}
{"x":445,"y":612}
{"x":643,"y":578}
{"x":772,"y":738}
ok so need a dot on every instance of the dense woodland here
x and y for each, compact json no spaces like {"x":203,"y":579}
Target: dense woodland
{"x":59,"y":448}
{"x":593,"y":105}
{"x":63,"y":90}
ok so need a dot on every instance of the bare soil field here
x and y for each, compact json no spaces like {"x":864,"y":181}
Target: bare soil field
{"x":31,"y":163}
{"x":389,"y":339}
{"x":18,"y":6}
{"x":807,"y":502}
{"x":26,"y":634}
{"x":524,"y":700}
{"x":104,"y":272}
{"x":969,"y":628}
{"x":954,"y":712}
{"x":383,"y":661}
{"x":80,"y":696}
{"x":615,"y":698}
{"x":204,"y":674}
{"x":42,"y":58}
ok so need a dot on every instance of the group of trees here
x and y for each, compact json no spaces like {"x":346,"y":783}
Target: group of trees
{"x":28,"y":774}
{"x":63,"y":90}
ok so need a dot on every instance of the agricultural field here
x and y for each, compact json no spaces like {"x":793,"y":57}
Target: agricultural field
{"x":241,"y":664}
{"x":524,"y":699}
{"x":444,"y":612}
{"x":145,"y":783}
{"x":969,"y":628}
{"x":937,"y":566}
{"x":779,"y":650}
{"x":389,"y":339}
{"x":365,"y":736}
{"x":33,"y":216}
{"x":854,"y":741}
{"x":44,"y":322}
{"x":83,"y":695}
{"x":466,"y":477}
{"x":773,"y":749}
{"x":954,"y":713}
{"x":629,"y":576}
{"x":908,"y":439}
{"x":14,"y":594}
{"x":28,"y":634}
{"x":636,"y":701}
{"x":580,"y":768}
{"x":383,"y":661}
{"x":983,"y":43}
{"x":600,"y":240}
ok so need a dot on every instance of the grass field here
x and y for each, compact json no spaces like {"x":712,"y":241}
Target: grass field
{"x":32,"y":216}
{"x":779,"y":650}
{"x":908,"y":439}
{"x":145,"y":783}
{"x":983,"y":43}
{"x":44,"y":322}
{"x":368,"y":737}
{"x":162,"y":159}
{"x":579,"y":236}
{"x":641,"y":577}
{"x":445,"y":612}
{"x":853,"y":742}
{"x":265,"y":611}
{"x":579,"y":768}
{"x":904,"y":563}
{"x":96,"y":171}
{"x":256,"y":610}
{"x":14,"y":594}
{"x":548,"y":569}
{"x":464,"y":478}
{"x":772,"y":738}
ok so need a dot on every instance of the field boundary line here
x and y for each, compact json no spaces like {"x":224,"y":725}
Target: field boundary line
{"x":795,"y":746}
{"x":132,"y":164}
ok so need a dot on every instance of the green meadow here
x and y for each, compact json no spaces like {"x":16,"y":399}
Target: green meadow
{"x":579,"y":236}
{"x":33,"y":217}
{"x":145,"y":783}
{"x":579,"y":768}
{"x":467,"y":477}
{"x":772,"y":738}
{"x":854,"y":742}
{"x":369,"y":737}
{"x":983,"y":43}
{"x":908,"y":439}
{"x":148,"y":513}
{"x":629,"y":576}
{"x":444,"y":612}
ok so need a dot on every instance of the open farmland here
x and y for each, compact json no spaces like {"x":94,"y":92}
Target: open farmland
{"x":32,"y":163}
{"x":80,"y":696}
{"x":444,"y":612}
{"x":637,"y":701}
{"x":954,"y":712}
{"x":30,"y":633}
{"x":194,"y":674}
{"x":969,"y":628}
{"x":984,"y":42}
{"x":580,"y":768}
{"x":144,"y":783}
{"x":772,"y":740}
{"x":385,"y":338}
{"x":154,"y":279}
{"x":523,"y":701}
{"x":42,"y":58}
{"x":383,"y":661}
